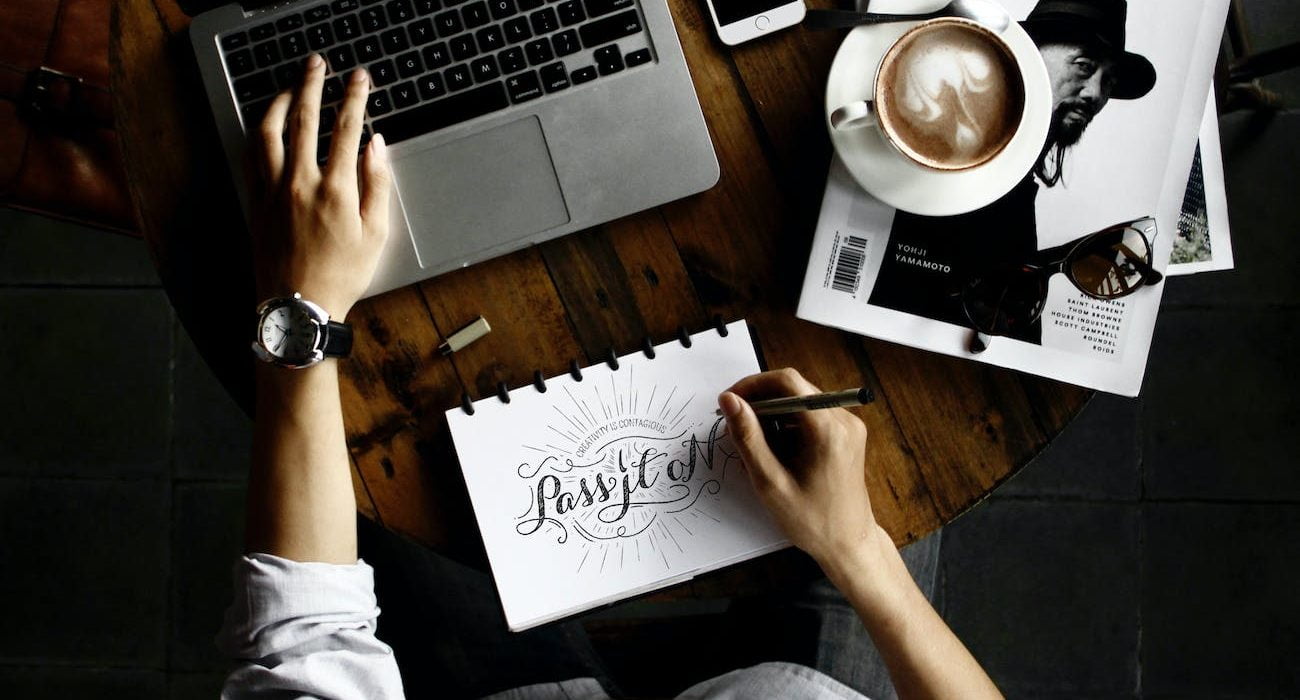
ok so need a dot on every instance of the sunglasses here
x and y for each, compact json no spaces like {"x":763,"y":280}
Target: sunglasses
{"x":1109,"y":264}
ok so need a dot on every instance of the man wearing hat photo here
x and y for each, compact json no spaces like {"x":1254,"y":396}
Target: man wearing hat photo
{"x":1082,"y":43}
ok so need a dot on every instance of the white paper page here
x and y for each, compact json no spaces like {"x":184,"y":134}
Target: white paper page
{"x":675,"y":500}
{"x":1204,"y":240}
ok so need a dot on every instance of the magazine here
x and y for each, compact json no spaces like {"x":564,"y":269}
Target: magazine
{"x":900,"y":277}
{"x":1204,"y":242}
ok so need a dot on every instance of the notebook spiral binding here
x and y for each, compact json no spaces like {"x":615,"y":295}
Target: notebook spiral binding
{"x":610,"y":358}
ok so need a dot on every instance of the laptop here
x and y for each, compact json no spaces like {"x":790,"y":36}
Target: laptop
{"x":509,"y":122}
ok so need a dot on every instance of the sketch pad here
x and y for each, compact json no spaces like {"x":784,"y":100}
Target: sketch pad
{"x":549,"y":474}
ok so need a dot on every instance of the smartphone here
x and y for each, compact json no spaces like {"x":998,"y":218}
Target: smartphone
{"x":742,"y":20}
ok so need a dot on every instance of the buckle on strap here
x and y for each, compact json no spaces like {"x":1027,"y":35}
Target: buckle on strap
{"x":53,"y":96}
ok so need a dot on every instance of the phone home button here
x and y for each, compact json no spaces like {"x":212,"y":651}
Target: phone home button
{"x":761,"y":22}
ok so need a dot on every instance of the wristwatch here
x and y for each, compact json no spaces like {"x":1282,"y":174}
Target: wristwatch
{"x":293,"y":332}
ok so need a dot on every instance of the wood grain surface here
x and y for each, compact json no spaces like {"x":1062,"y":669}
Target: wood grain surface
{"x":943,"y":432}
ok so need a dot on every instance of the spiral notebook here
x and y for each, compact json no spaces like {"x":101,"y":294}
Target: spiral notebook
{"x":612,"y":480}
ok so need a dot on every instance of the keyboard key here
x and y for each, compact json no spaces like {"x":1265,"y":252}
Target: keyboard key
{"x":452,"y":110}
{"x":237,"y":40}
{"x":539,"y":51}
{"x":262,"y":31}
{"x":475,"y":14}
{"x":517,"y":30}
{"x":368,"y":49}
{"x":372,"y":19}
{"x":489,"y":39}
{"x":319,"y":36}
{"x":544,"y":21}
{"x":436,"y":56}
{"x":523,"y":87}
{"x":347,"y":28}
{"x":267,"y":54}
{"x":289,"y":23}
{"x":404,"y":94}
{"x":341,"y":58}
{"x":596,"y":8}
{"x":427,"y":7}
{"x":400,"y":11}
{"x":583,"y":75}
{"x":554,"y":77}
{"x":395,"y":41}
{"x":253,"y":113}
{"x":566,"y":42}
{"x":319,"y":13}
{"x":430,"y":86}
{"x":323,"y":149}
{"x":421,"y":32}
{"x":457,"y":77}
{"x":484,"y":69}
{"x":327,"y":118}
{"x":570,"y":13}
{"x":254,"y":86}
{"x":331,"y":91}
{"x":512,"y":60}
{"x":526,"y":5}
{"x":288,"y":75}
{"x":239,"y":63}
{"x":502,"y":9}
{"x":462,"y":47}
{"x":608,"y":60}
{"x":448,"y":23}
{"x":378,"y":103}
{"x":638,"y":57}
{"x":341,"y":6}
{"x":408,"y":64}
{"x":603,"y":31}
{"x":383,"y":73}
{"x":293,"y":45}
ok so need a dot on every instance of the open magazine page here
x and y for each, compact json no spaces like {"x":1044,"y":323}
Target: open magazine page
{"x":899,"y":277}
{"x":1204,"y":242}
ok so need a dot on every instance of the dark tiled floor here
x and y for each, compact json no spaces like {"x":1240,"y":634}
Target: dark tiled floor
{"x":1151,"y":551}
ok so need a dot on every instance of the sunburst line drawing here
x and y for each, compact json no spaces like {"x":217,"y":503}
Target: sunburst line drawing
{"x":579,"y":428}
{"x":664,"y":410}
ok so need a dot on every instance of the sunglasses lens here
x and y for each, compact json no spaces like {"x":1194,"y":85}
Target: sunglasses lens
{"x":1109,"y":265}
{"x":1003,"y":304}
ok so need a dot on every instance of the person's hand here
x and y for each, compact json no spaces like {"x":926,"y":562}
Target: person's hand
{"x":317,"y":230}
{"x":814,"y":485}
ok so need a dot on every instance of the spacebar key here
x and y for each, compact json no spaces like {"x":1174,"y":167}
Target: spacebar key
{"x":443,"y":113}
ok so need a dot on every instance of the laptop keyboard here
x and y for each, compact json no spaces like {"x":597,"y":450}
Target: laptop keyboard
{"x":434,"y":63}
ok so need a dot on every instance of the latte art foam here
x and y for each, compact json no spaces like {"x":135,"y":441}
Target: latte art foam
{"x":949,"y":95}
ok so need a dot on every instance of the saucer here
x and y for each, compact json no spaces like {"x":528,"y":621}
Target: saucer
{"x":897,"y":181}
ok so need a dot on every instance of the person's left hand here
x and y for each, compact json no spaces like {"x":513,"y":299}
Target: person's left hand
{"x":317,"y":230}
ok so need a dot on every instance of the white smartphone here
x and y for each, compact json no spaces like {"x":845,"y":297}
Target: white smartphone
{"x":742,"y":20}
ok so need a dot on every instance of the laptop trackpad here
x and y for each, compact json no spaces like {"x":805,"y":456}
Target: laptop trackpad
{"x":479,"y":192}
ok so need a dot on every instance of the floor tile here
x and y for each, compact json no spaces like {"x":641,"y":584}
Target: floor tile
{"x":39,"y":250}
{"x":194,"y":686}
{"x":87,"y":382}
{"x":207,"y":536}
{"x":213,"y":435}
{"x":1096,"y":456}
{"x":60,"y":683}
{"x":1220,"y":406}
{"x":85,"y":571}
{"x":1045,"y":595}
{"x":1220,"y":612}
{"x":1260,"y":153}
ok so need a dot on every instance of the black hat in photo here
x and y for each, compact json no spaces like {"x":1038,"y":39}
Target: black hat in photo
{"x":1099,"y":21}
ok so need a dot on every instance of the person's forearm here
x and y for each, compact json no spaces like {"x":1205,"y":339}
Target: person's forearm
{"x":300,"y":499}
{"x":925,"y":658}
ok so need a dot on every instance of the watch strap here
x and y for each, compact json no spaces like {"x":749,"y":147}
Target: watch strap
{"x":338,"y":339}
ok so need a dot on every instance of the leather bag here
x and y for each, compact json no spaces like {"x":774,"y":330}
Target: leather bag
{"x":59,"y":153}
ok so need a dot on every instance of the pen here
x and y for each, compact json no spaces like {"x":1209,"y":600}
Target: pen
{"x":812,"y":402}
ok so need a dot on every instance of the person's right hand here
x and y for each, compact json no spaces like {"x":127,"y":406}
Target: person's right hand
{"x":817,"y":492}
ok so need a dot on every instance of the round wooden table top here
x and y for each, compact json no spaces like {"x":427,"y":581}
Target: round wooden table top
{"x":943,"y":431}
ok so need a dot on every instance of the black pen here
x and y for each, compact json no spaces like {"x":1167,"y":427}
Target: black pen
{"x":812,"y":402}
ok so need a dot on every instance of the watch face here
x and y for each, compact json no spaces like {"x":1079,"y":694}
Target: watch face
{"x":287,"y":332}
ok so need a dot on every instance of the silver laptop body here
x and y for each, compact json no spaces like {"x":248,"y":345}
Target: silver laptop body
{"x":552,"y":160}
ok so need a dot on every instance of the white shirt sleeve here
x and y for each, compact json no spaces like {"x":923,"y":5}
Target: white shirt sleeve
{"x":305,"y":630}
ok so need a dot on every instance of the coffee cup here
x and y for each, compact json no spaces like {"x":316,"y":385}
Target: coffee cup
{"x":948,"y":95}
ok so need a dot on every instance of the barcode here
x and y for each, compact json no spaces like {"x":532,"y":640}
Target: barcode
{"x":848,"y":265}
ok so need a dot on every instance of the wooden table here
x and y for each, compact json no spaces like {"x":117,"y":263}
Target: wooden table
{"x":943,"y":432}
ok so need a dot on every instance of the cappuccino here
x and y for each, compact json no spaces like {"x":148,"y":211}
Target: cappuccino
{"x":949,"y":94}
